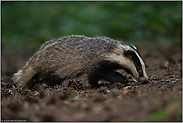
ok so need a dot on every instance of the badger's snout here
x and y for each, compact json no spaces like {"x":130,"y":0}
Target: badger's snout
{"x":143,"y":79}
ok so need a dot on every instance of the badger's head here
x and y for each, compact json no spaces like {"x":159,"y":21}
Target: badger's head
{"x":130,"y":60}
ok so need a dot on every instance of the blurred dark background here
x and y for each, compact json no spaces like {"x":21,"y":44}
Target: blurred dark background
{"x":26,"y":25}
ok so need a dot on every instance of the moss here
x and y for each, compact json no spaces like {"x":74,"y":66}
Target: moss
{"x":72,"y":94}
{"x":158,"y":115}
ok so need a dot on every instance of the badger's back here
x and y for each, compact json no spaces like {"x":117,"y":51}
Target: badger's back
{"x":71,"y":55}
{"x":64,"y":58}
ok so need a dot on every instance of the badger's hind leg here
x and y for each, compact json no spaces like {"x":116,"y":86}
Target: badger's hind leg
{"x":53,"y":79}
{"x":23,"y":77}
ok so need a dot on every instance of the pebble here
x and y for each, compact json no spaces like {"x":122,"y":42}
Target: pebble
{"x":77,"y":97}
{"x":156,"y":81}
{"x":115,"y":92}
{"x":174,"y":81}
{"x":172,"y":76}
{"x":127,"y":87}
{"x":36,"y":93}
{"x":164,"y":65}
{"x":103,"y":90}
{"x":10,"y":91}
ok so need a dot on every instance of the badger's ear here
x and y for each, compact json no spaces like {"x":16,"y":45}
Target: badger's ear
{"x":128,"y":53}
{"x":133,"y":47}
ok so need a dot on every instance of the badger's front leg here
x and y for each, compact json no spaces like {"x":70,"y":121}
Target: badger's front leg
{"x":113,"y":76}
{"x":110,"y":76}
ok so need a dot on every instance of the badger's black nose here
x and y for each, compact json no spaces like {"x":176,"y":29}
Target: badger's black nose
{"x":145,"y":81}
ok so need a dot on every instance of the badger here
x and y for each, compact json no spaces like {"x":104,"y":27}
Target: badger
{"x":71,"y":56}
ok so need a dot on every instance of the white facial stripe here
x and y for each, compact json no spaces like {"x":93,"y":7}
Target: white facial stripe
{"x":134,"y":47}
{"x":126,"y":47}
{"x":143,"y":65}
{"x":124,"y":62}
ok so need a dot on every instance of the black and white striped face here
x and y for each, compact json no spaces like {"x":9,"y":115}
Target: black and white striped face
{"x":136,"y":58}
{"x":129,"y":58}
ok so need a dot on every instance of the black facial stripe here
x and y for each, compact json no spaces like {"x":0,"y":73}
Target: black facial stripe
{"x":108,"y":65}
{"x":128,"y":71}
{"x":132,"y":55}
{"x":136,"y":51}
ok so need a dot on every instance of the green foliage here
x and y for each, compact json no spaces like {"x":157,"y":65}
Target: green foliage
{"x":72,"y":94}
{"x":158,"y":115}
{"x":36,"y":22}
{"x":164,"y":113}
{"x":157,"y":77}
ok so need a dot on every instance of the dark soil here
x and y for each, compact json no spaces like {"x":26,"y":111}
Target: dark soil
{"x":158,"y":100}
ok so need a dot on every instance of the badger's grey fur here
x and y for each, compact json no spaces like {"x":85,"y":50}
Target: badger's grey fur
{"x":71,"y":56}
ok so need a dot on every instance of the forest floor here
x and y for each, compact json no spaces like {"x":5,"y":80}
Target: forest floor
{"x":158,"y":100}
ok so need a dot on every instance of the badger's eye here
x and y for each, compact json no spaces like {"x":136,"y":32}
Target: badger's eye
{"x":139,"y":70}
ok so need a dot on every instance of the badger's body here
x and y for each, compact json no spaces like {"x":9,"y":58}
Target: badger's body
{"x":71,"y":56}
